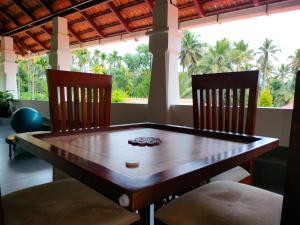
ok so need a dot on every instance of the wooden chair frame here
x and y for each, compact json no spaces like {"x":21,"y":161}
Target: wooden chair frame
{"x":219,"y":101}
{"x":219,"y":104}
{"x":78,"y":100}
{"x":290,"y":209}
{"x":291,"y":197}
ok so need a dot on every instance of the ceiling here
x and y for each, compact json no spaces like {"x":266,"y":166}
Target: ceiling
{"x":29,"y":21}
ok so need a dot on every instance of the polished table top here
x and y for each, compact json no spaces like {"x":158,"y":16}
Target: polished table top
{"x":184,"y":157}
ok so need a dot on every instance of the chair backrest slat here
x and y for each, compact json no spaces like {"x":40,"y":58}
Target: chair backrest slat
{"x":221,"y":110}
{"x":234,"y":110}
{"x":70,"y":108}
{"x":74,"y":100}
{"x":222,"y":101}
{"x":208,"y":109}
{"x":241,"y":111}
{"x":214,"y":109}
{"x":291,"y":210}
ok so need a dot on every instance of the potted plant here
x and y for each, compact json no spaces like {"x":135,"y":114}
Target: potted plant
{"x":5,"y":98}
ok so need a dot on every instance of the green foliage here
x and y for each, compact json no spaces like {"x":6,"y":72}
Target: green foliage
{"x":142,"y":85}
{"x":5,"y":98}
{"x":280,"y":92}
{"x":265,"y":99}
{"x":131,"y":73}
{"x":185,"y":85}
{"x":31,"y":78}
{"x":118,"y":95}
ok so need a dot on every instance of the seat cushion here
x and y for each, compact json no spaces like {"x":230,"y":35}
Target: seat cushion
{"x":235,"y":174}
{"x":223,"y":203}
{"x":65,"y":202}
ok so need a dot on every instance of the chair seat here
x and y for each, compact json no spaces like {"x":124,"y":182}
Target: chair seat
{"x":223,"y":203}
{"x":235,"y":174}
{"x":65,"y":202}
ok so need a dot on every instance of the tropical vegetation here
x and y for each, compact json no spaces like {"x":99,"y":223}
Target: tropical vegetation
{"x":131,"y":72}
{"x":276,"y":82}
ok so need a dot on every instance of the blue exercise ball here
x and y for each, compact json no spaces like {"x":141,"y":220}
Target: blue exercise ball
{"x":26,"y":120}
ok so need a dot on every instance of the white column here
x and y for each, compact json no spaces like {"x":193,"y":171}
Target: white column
{"x":8,"y":66}
{"x":60,"y":57}
{"x":164,"y":44}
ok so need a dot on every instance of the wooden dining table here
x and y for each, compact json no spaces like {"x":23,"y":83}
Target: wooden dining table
{"x":118,"y":162}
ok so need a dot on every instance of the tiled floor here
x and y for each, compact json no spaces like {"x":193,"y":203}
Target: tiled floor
{"x":24,"y":170}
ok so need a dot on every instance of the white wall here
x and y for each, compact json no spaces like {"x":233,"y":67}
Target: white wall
{"x":272,"y":122}
{"x":121,"y":113}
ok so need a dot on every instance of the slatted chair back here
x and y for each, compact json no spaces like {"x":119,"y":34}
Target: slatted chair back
{"x":78,"y":100}
{"x":291,"y":210}
{"x":225,"y":101}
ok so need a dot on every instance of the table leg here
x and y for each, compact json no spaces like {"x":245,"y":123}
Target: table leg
{"x":145,"y":215}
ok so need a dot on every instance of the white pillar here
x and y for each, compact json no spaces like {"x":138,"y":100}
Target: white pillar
{"x":8,"y":66}
{"x":60,"y":57}
{"x":164,"y":44}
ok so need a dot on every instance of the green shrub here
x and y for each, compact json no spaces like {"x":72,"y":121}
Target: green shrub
{"x":265,"y":99}
{"x":118,"y":95}
{"x":5,"y":98}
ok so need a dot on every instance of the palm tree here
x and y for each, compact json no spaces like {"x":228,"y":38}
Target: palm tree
{"x":114,"y":60}
{"x":295,"y":61}
{"x":95,"y":60}
{"x":282,"y":72}
{"x":266,"y":54}
{"x":81,"y":59}
{"x":191,"y":50}
{"x":241,"y":55}
{"x":218,"y":57}
{"x":103,"y":58}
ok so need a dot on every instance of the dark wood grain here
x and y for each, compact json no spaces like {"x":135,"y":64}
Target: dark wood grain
{"x":159,"y":175}
{"x":229,"y":83}
{"x":231,"y":117}
{"x":70,"y":108}
{"x":85,"y":104}
{"x":291,"y":209}
{"x":242,"y":111}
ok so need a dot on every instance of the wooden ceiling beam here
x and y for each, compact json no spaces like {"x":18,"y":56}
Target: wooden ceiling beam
{"x":199,"y":8}
{"x":84,"y":5}
{"x":76,"y":35}
{"x":19,"y":49}
{"x":92,"y":24}
{"x":9,"y":17}
{"x":24,"y":9}
{"x":256,"y":2}
{"x":149,"y":3}
{"x":47,"y":6}
{"x":6,"y":15}
{"x":29,"y":14}
{"x":23,"y":45}
{"x":36,"y":40}
{"x":50,"y":10}
{"x":116,"y":12}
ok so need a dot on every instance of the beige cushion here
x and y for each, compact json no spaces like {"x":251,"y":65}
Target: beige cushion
{"x":223,"y":203}
{"x":65,"y":202}
{"x":235,"y":174}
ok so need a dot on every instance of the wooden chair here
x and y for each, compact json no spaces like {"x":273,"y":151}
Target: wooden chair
{"x":78,"y":100}
{"x":62,"y":202}
{"x":228,"y":203}
{"x":227,"y":102}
